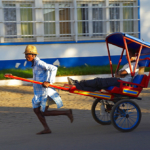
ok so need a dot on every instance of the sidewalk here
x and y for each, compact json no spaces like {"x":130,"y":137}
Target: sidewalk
{"x":62,"y":79}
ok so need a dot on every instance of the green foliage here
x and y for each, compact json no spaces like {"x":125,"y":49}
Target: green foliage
{"x":62,"y":71}
{"x":16,"y":72}
{"x":84,"y":70}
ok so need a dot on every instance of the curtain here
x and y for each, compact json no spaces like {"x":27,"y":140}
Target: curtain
{"x":85,"y":24}
{"x":114,"y":13}
{"x":79,"y":17}
{"x":26,"y":15}
{"x":128,"y":14}
{"x":64,"y":15}
{"x":49,"y":15}
{"x":97,"y":15}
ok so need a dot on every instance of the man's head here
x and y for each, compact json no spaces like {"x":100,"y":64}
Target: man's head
{"x":30,"y":52}
{"x":131,"y":53}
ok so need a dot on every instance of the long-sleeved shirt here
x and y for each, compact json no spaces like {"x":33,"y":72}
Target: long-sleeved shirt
{"x":44,"y":72}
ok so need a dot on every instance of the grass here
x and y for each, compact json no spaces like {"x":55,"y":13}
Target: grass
{"x":16,"y":72}
{"x":62,"y":71}
{"x":84,"y":70}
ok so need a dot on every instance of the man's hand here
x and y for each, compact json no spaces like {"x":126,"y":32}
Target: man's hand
{"x":117,"y":74}
{"x":121,"y":74}
{"x":133,"y":58}
{"x":45,"y":84}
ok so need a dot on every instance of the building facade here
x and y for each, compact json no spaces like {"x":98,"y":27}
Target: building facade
{"x":68,"y":32}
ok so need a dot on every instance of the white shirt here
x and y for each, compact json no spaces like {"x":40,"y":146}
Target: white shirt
{"x":126,"y":67}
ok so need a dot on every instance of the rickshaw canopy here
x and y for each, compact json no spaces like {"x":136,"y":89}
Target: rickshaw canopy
{"x":132,"y":42}
{"x":127,"y":42}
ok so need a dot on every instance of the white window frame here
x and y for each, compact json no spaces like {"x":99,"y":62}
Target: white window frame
{"x":37,"y":11}
{"x":18,"y":21}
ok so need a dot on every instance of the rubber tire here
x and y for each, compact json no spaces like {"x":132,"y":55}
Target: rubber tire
{"x":113,"y":120}
{"x":94,"y":115}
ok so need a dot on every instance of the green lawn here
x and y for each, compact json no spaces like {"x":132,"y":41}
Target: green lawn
{"x":62,"y":71}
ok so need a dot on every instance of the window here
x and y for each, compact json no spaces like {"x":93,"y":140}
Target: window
{"x":122,"y":16}
{"x":57,"y":21}
{"x":18,"y":25}
{"x":10,"y":18}
{"x":90,"y":19}
{"x":68,"y":20}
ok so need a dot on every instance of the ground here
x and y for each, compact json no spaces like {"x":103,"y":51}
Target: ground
{"x":19,"y":125}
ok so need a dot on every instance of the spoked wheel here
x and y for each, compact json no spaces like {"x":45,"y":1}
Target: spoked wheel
{"x":101,"y":111}
{"x":125,"y":115}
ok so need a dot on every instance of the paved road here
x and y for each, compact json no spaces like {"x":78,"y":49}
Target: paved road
{"x":18,"y":125}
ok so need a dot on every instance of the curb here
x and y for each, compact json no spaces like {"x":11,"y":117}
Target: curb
{"x":62,"y":79}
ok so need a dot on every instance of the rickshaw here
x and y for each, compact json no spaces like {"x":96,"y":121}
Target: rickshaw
{"x":126,"y":114}
{"x":115,"y":104}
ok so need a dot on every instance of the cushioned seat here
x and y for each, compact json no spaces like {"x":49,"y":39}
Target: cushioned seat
{"x":110,"y":88}
{"x":144,"y":63}
{"x":138,"y":78}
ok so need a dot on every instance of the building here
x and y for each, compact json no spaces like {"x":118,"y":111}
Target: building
{"x":69,"y":32}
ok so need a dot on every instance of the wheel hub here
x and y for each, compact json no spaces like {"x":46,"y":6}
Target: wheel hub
{"x":127,"y":115}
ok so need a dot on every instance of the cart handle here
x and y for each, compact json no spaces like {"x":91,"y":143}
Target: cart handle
{"x":33,"y":81}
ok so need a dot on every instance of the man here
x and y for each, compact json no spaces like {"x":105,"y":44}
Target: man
{"x":43,"y":94}
{"x":103,"y":83}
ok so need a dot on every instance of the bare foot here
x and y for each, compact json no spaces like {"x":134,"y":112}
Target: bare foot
{"x":70,"y":115}
{"x":46,"y":131}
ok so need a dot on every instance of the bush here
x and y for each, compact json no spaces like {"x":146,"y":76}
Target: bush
{"x":62,"y":71}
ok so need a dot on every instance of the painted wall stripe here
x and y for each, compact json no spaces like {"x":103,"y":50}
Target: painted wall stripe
{"x":53,"y":42}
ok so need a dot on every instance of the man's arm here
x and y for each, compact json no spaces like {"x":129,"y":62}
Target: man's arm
{"x":50,"y":73}
{"x":121,"y":74}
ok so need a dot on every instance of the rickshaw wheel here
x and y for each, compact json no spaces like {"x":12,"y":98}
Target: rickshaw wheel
{"x":125,"y":115}
{"x":101,"y":111}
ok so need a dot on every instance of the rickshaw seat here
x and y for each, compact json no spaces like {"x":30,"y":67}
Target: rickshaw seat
{"x":138,"y":79}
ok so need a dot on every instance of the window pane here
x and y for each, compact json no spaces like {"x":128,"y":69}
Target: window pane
{"x":49,"y":15}
{"x":10,"y":15}
{"x":128,"y":14}
{"x":26,"y":15}
{"x":97,"y":15}
{"x":64,"y":15}
{"x":114,"y":13}
{"x":82,"y":14}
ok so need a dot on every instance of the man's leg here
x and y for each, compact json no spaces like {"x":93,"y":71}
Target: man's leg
{"x":42,"y":120}
{"x":100,"y":83}
{"x":67,"y":113}
{"x":96,"y":84}
{"x":47,"y":112}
